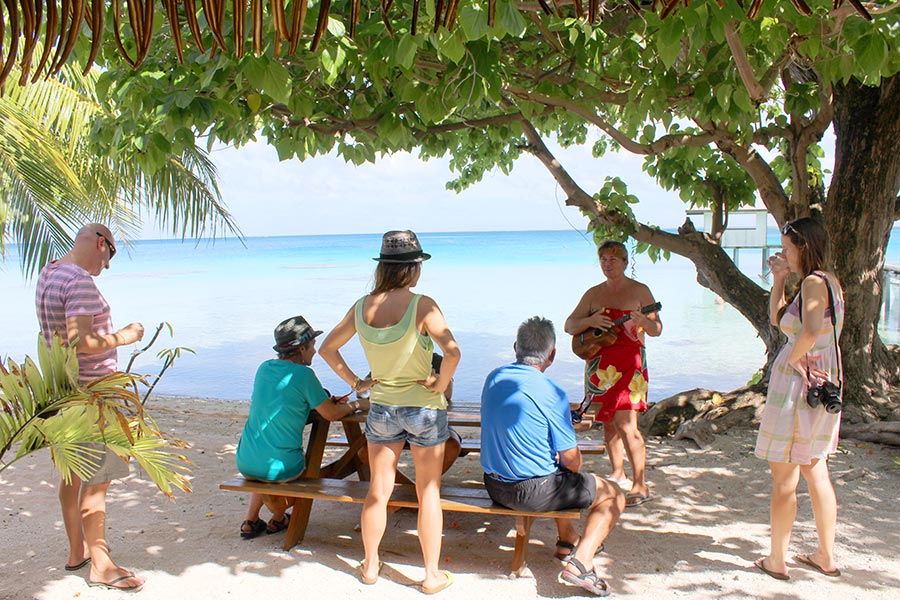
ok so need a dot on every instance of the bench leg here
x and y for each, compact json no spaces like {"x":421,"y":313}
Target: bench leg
{"x":303,"y":506}
{"x":299,"y":521}
{"x":523,"y":534}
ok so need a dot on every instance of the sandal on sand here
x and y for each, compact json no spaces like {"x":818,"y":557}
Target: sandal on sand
{"x":759,"y":564}
{"x":566,"y":550}
{"x":587,"y":580}
{"x":276,"y":526}
{"x":439,"y":588}
{"x":111,"y":585}
{"x":79,"y":565}
{"x":804,"y":559}
{"x":256,"y":528}
{"x":637,"y":499}
{"x":362,"y":573}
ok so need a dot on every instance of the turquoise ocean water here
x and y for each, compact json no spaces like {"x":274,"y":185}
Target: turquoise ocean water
{"x":225,"y":298}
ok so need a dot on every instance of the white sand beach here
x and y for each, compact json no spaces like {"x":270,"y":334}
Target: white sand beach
{"x":697,"y":538}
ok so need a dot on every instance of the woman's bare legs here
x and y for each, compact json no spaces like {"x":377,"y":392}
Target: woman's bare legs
{"x":783,"y":512}
{"x":615,"y":449}
{"x":824,"y":504}
{"x":383,"y":459}
{"x":428,"y":461}
{"x":625,"y":421}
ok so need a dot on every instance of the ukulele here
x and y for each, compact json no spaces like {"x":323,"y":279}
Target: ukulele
{"x":586,"y":344}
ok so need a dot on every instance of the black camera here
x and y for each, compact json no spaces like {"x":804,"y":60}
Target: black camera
{"x":827,"y":394}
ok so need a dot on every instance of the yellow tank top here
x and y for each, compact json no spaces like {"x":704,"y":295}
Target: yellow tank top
{"x":398,"y":356}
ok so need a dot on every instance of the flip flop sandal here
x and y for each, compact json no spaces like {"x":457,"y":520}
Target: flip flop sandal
{"x":111,"y":585}
{"x":256,"y":528}
{"x":362,"y":570}
{"x":79,"y":565}
{"x":759,"y":564}
{"x":439,"y":588}
{"x":637,"y":499}
{"x":586,"y":580}
{"x":276,"y":526}
{"x":804,"y":559}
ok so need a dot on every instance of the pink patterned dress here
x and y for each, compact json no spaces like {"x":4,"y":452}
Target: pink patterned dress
{"x":790,"y":431}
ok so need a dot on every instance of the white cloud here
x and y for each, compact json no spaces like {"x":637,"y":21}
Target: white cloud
{"x":326,"y":195}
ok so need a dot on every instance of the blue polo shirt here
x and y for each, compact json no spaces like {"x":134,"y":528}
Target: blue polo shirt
{"x":271,"y":447}
{"x":525,"y":421}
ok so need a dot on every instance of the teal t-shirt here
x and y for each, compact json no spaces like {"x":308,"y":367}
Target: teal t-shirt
{"x":271,"y":447}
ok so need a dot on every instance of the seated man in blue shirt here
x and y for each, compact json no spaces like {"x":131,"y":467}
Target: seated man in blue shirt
{"x":531,"y":458}
{"x":285,"y":390}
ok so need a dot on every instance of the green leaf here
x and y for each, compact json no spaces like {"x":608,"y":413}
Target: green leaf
{"x":871,"y":51}
{"x":473,"y":21}
{"x":510,"y":18}
{"x":450,"y":45}
{"x":669,"y":42}
{"x":254,"y":101}
{"x":405,"y":52}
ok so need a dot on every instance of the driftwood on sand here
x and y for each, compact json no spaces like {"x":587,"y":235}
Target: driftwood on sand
{"x":741,"y":407}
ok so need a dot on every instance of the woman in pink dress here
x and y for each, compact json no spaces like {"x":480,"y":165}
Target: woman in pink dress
{"x":795,"y":435}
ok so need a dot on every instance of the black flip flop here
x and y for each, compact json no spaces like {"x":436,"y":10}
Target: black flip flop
{"x":773,"y":574}
{"x":79,"y":565}
{"x":804,"y":559}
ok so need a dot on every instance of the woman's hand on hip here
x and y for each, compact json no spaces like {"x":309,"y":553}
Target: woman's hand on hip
{"x":432,"y":383}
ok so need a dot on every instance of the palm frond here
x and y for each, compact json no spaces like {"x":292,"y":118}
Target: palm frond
{"x":47,"y":407}
{"x":52,"y":180}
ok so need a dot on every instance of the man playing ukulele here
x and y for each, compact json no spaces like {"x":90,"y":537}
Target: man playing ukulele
{"x":615,"y":374}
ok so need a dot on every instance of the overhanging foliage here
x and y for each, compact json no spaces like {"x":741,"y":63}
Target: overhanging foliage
{"x":57,"y":25}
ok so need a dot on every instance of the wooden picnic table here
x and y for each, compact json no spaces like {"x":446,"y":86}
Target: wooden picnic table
{"x":348,"y":463}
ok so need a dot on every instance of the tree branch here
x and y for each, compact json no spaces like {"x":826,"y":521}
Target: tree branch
{"x":656,"y":147}
{"x":770,"y":190}
{"x":715,"y":269}
{"x":756,"y":91}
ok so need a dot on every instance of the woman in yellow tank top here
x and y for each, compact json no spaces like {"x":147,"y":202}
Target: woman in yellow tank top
{"x":396,"y":329}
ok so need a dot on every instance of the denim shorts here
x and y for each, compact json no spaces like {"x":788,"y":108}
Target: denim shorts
{"x":419,"y":426}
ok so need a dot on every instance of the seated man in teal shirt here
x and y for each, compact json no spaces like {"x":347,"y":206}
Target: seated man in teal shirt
{"x":531,"y":458}
{"x":285,"y":390}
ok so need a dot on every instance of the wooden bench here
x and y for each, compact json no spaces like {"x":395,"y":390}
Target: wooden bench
{"x":468,"y":445}
{"x":473,"y":499}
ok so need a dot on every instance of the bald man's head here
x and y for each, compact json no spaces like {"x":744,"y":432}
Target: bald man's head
{"x":94,"y":247}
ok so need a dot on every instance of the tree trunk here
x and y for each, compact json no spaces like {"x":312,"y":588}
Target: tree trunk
{"x":859,"y":214}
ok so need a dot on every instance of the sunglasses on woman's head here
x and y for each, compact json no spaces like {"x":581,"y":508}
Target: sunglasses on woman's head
{"x":789,"y":228}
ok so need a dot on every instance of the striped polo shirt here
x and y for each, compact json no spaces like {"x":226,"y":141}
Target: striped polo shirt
{"x":66,"y":290}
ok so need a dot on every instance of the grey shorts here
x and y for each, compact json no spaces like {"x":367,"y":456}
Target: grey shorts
{"x":556,"y":491}
{"x":110,"y":467}
{"x":419,"y":426}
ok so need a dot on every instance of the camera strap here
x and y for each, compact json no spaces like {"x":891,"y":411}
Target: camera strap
{"x":832,"y":310}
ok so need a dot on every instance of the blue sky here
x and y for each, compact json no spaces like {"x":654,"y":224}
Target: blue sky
{"x":325,"y":195}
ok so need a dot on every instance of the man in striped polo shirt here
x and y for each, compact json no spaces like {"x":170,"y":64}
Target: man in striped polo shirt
{"x":69,"y":304}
